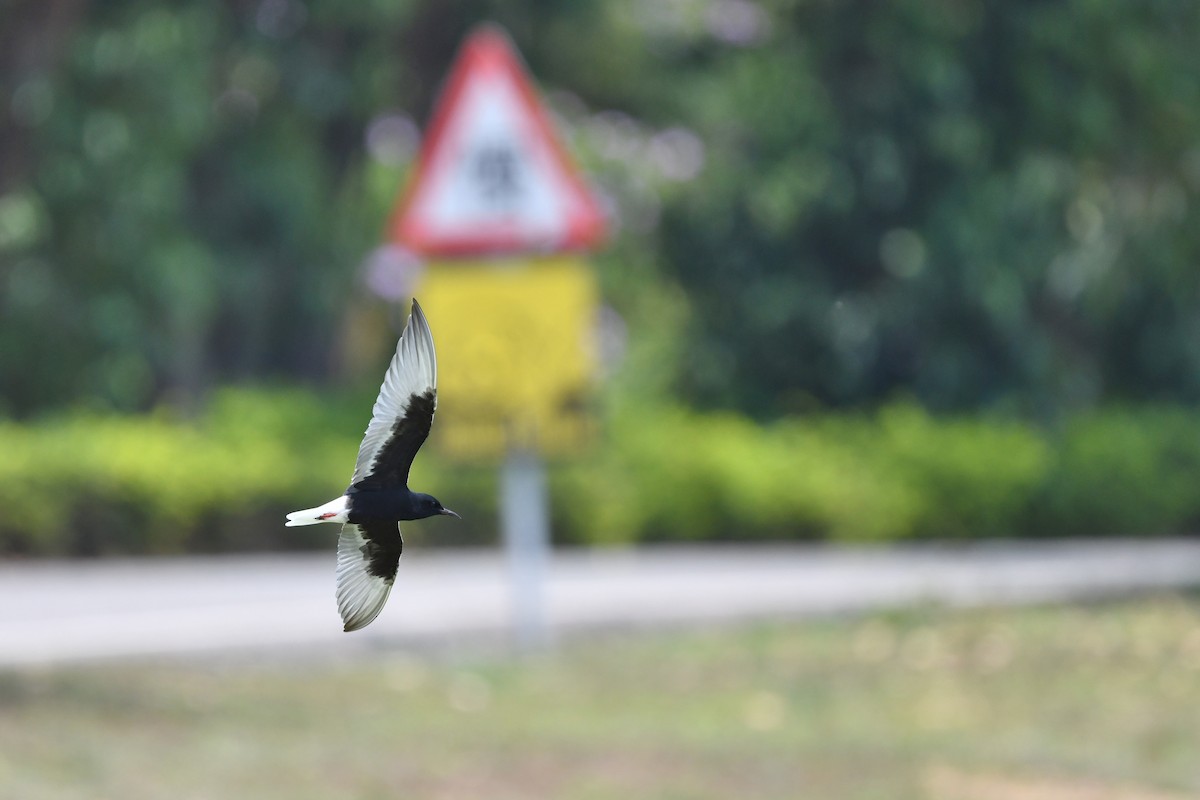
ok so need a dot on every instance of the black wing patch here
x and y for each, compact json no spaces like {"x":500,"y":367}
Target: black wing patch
{"x":390,"y":468}
{"x":367,"y":559}
{"x":381,"y":549}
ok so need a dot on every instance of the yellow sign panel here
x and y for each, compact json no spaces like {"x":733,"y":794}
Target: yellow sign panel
{"x":516,"y":357}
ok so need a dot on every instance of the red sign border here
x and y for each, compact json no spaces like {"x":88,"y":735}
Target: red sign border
{"x":489,"y":48}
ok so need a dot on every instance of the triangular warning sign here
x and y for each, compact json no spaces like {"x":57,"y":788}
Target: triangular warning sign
{"x":491,"y":176}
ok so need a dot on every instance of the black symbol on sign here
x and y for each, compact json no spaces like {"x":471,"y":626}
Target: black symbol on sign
{"x":495,"y":168}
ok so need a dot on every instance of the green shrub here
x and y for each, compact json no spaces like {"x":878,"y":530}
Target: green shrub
{"x":677,"y":474}
{"x":974,"y":476}
{"x":89,"y":483}
{"x":1123,"y":472}
{"x":85,"y":483}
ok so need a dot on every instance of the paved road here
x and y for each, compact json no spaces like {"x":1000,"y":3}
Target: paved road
{"x":57,"y":612}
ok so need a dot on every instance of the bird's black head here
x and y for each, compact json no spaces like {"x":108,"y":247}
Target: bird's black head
{"x":425,"y":505}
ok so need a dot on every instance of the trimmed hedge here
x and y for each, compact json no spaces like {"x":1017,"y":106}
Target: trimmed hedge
{"x":93,"y":484}
{"x":898,"y":474}
{"x":87,"y":483}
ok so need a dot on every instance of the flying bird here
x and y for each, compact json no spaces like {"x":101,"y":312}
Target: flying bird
{"x":378,"y":499}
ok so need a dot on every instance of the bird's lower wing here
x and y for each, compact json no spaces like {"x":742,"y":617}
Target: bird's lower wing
{"x":367,"y":558}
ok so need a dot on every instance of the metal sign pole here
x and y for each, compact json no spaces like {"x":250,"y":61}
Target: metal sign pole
{"x":526,"y":530}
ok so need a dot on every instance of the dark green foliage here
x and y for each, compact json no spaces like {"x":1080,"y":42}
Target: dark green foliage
{"x":984,"y":204}
{"x":182,"y":216}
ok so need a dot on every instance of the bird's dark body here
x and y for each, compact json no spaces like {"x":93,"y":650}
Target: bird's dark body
{"x":388,"y":505}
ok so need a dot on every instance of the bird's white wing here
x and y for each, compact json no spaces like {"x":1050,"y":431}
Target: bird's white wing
{"x":411,"y":375}
{"x":367,"y":557}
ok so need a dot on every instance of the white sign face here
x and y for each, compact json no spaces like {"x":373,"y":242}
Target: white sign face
{"x":492,"y":177}
{"x":494,"y":171}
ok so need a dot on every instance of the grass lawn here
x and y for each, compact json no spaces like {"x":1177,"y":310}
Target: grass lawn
{"x":1097,"y":702}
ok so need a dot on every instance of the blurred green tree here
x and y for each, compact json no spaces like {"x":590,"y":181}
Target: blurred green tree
{"x":982,"y":203}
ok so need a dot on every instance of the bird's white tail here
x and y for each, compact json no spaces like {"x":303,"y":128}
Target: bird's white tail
{"x":333,"y":511}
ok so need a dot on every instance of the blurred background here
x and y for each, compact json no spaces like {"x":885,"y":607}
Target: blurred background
{"x":877,"y":272}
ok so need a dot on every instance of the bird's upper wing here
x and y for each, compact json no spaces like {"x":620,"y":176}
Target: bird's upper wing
{"x":403,"y":412}
{"x":367,"y":557}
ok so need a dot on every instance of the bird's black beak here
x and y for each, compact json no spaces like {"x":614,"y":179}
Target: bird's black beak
{"x":448,"y":513}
